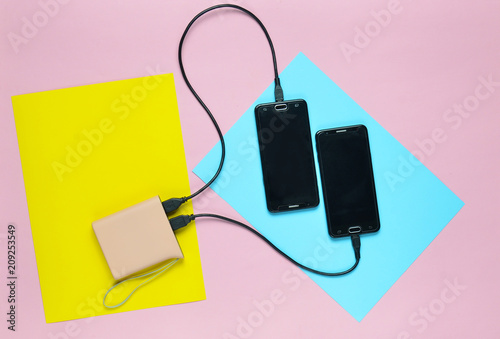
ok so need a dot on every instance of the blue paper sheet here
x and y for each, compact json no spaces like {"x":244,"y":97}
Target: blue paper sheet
{"x":414,"y":204}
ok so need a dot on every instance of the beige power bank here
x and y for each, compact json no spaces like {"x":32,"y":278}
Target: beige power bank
{"x":136,"y":238}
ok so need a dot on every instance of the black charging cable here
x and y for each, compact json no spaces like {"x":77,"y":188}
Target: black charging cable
{"x":172,"y":204}
{"x":183,"y":220}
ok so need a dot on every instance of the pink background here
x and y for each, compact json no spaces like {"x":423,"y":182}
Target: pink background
{"x":424,"y":61}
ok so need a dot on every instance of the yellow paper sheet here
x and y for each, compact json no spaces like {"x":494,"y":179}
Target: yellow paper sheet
{"x":88,"y":152}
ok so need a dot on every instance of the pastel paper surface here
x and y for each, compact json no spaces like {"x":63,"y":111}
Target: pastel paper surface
{"x":73,"y":179}
{"x":414,"y":204}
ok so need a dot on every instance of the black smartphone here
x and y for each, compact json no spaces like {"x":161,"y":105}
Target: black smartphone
{"x":347,"y":178}
{"x":286,"y":155}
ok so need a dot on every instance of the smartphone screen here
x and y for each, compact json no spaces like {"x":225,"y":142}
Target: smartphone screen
{"x":287,"y":156}
{"x":347,"y":179}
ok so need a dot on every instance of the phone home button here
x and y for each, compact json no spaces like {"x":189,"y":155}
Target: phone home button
{"x":354,"y":229}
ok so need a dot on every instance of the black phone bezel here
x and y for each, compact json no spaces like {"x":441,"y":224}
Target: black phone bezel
{"x":344,"y":231}
{"x":269,"y":202}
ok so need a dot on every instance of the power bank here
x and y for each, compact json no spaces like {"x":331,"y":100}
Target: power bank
{"x":136,"y":238}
